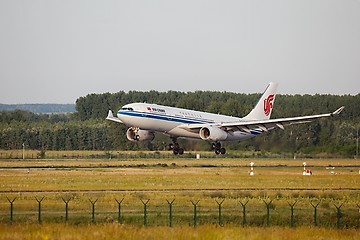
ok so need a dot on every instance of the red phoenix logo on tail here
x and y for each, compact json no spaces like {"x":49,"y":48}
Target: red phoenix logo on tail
{"x":268,"y":104}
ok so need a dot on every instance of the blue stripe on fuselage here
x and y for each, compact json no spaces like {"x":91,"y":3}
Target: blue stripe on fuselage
{"x":163,"y":117}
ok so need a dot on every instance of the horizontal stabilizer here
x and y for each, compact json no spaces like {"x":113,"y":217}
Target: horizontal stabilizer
{"x":111,"y":117}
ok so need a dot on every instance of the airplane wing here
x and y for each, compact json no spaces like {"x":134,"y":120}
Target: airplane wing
{"x":111,"y":117}
{"x":265,"y":125}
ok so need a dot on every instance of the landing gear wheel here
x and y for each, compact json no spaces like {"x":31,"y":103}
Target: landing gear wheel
{"x":174,"y":146}
{"x":222,"y":150}
{"x":218,"y":149}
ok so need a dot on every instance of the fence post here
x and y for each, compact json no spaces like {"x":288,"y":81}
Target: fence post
{"x":39,"y":204}
{"x":267,"y":211}
{"x":315,"y":211}
{"x":93,"y":210}
{"x":119,"y":209}
{"x":244,"y":211}
{"x":292,"y":212}
{"x":195,"y":205}
{"x":220,"y":216}
{"x":66,"y":201}
{"x":11,"y":208}
{"x":358,"y":205}
{"x":338,"y":214}
{"x":170,"y":214}
{"x":145,"y":210}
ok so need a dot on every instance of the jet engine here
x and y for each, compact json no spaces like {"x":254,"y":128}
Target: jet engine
{"x":136,"y":134}
{"x":213,"y":133}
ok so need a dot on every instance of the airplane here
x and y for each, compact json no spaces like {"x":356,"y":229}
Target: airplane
{"x":144,"y":119}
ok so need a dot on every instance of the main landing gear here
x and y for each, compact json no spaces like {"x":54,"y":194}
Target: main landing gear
{"x":175,"y":147}
{"x":177,"y":150}
{"x":216,"y":146}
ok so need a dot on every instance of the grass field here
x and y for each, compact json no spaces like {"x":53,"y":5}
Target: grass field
{"x":334,"y":182}
{"x":113,"y":231}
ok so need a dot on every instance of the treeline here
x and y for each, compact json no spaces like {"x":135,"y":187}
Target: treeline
{"x":96,"y":106}
{"x":86,"y":129}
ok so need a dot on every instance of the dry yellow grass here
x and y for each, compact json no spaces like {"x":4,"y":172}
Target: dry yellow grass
{"x":163,"y":174}
{"x":180,"y":179}
{"x":115,"y":231}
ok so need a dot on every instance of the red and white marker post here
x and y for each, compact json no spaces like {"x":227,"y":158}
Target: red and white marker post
{"x":251,"y":169}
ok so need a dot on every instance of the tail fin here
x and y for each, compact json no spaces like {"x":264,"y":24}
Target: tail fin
{"x":263,"y":108}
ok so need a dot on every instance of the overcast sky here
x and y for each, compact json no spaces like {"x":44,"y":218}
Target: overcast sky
{"x":57,"y":51}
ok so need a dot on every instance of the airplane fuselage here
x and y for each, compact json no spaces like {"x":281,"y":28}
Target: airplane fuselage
{"x":169,"y":120}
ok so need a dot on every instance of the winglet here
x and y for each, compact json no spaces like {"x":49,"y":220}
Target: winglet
{"x":338,"y":111}
{"x":111,"y":117}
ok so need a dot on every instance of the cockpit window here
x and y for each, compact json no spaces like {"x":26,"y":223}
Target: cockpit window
{"x":127,"y":109}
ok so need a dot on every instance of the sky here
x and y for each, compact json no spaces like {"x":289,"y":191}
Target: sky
{"x":55,"y":51}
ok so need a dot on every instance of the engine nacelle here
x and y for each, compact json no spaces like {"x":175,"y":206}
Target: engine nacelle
{"x":213,"y":133}
{"x":135,"y":134}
